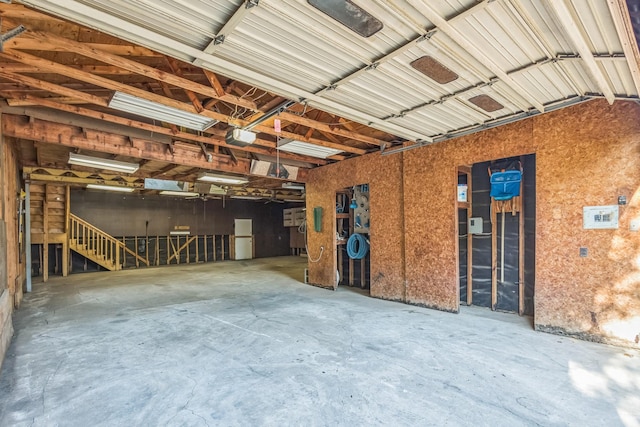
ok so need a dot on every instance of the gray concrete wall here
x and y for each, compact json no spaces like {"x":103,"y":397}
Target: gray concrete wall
{"x":127,"y":215}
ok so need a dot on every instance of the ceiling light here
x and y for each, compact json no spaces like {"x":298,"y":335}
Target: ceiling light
{"x":294,"y":200}
{"x":179,"y":193}
{"x":350,"y":15}
{"x":307,"y":149}
{"x":293,"y":186}
{"x":141,"y":107}
{"x":98,"y":163}
{"x":110,"y":188}
{"x":222,"y":179}
{"x":247,"y":197}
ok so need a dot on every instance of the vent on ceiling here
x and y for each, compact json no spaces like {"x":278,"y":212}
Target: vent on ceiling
{"x":350,"y":15}
{"x":433,"y":69}
{"x":486,"y":102}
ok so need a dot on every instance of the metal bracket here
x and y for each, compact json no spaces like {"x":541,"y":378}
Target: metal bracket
{"x":251,"y":3}
{"x":11,"y":34}
{"x":219,"y":39}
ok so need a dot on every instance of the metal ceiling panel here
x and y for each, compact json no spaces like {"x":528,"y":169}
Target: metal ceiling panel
{"x":510,"y":50}
{"x":192,"y":22}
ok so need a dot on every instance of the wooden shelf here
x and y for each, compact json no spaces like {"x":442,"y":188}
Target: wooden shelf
{"x":463,"y":205}
{"x":342,"y":215}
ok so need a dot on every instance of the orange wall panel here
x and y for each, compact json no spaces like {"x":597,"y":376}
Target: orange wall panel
{"x":586,"y":155}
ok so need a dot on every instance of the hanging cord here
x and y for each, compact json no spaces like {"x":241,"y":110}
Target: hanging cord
{"x":303,"y":229}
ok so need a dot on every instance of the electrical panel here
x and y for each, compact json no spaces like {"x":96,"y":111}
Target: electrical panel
{"x":360,"y":206}
{"x":475,"y":225}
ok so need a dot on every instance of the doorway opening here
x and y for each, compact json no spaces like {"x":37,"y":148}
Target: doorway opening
{"x":496,"y":233}
{"x":353,"y":243}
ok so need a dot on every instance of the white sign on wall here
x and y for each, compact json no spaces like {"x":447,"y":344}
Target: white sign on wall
{"x":600,"y":217}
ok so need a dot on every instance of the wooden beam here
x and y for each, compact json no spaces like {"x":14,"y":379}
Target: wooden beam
{"x":214,"y":137}
{"x":175,"y":68}
{"x":25,"y":43}
{"x":183,"y":83}
{"x":215,"y":82}
{"x":73,"y":73}
{"x":54,"y":88}
{"x":71,"y":136}
{"x":136,"y":67}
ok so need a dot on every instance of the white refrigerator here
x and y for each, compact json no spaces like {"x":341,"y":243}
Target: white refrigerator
{"x":243,"y":238}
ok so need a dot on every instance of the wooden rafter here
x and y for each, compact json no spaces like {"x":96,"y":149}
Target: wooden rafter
{"x":105,"y":142}
{"x":261,"y":146}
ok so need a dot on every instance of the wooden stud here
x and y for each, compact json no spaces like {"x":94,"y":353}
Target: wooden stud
{"x":206,"y":251}
{"x":494,"y":256}
{"x":469,"y":240}
{"x":521,"y":251}
{"x":222,"y":240}
{"x":66,"y":251}
{"x":214,"y":247}
{"x":45,"y":238}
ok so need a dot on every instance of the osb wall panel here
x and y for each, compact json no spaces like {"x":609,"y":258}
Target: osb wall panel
{"x":383,"y":174}
{"x":430,"y":185}
{"x":588,"y":159}
{"x":587,"y":155}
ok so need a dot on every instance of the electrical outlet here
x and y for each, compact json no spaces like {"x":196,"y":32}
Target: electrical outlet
{"x":634,"y":225}
{"x":584,"y":252}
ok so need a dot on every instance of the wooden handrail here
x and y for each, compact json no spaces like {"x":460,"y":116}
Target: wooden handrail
{"x":98,"y":241}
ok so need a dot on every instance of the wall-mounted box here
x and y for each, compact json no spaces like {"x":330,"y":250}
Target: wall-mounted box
{"x":600,"y":217}
{"x":475,"y":225}
{"x":462,"y":192}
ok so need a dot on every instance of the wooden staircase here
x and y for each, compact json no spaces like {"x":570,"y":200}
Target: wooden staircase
{"x":96,"y":245}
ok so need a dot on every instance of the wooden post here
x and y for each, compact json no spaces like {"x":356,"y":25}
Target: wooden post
{"x":168,"y":246}
{"x":135,"y":242}
{"x":206,"y":252}
{"x":340,"y":261}
{"x":45,"y":237}
{"x":188,"y":244}
{"x":124,"y":253}
{"x":469,"y":240}
{"x":363,"y":276}
{"x":117,"y":249}
{"x":222,"y":246}
{"x":157,"y":250}
{"x":214,"y":247}
{"x":146,"y":249}
{"x":494,"y":256}
{"x":521,"y":252}
{"x":197,"y":249}
{"x":66,"y":252}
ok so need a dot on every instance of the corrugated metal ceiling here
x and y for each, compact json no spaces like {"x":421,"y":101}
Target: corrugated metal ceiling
{"x":520,"y":53}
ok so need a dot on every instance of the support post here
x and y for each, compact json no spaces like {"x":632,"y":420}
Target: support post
{"x":27,"y":234}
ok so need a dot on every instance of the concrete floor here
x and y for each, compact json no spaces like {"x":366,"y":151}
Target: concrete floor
{"x":245,"y":343}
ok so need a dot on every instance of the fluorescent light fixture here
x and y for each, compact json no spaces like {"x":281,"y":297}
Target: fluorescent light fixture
{"x":307,"y":149}
{"x":180,"y":233}
{"x":109,"y":188}
{"x":222,"y":179}
{"x":98,"y":163}
{"x":293,"y":186}
{"x":247,"y":197}
{"x":141,"y":107}
{"x":179,"y":193}
{"x":294,"y":200}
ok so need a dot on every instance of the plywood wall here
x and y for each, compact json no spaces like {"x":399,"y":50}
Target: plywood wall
{"x":10,"y":184}
{"x":586,"y":155}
